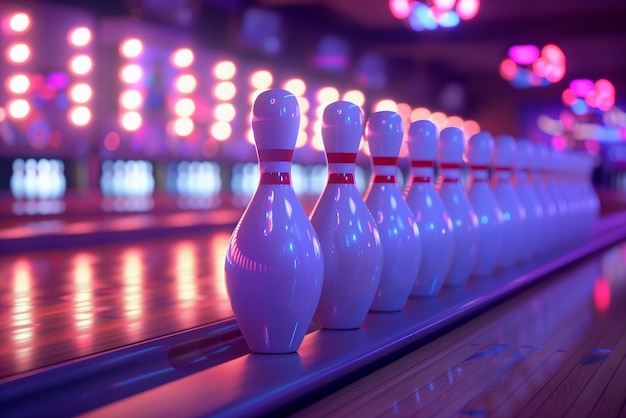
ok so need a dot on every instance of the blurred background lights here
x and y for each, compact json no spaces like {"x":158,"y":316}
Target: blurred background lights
{"x":131,"y":99}
{"x":18,"y":84}
{"x":80,"y":93}
{"x":186,"y":83}
{"x":182,"y":58}
{"x":81,"y":64}
{"x":224,"y":91}
{"x":527,"y":66}
{"x":261,"y":79}
{"x":524,"y":54}
{"x":432,"y":14}
{"x":18,"y":109}
{"x":225,"y":112}
{"x":221,"y":130}
{"x":385,"y":104}
{"x":131,"y":73}
{"x":131,"y":48}
{"x":400,"y":9}
{"x":354,"y":96}
{"x":419,"y":113}
{"x":18,"y":53}
{"x":131,"y":121}
{"x":584,"y":96}
{"x":224,"y":70}
{"x":183,"y":126}
{"x":80,"y":116}
{"x":79,"y":37}
{"x":19,"y":22}
{"x":184,"y":107}
{"x":327,"y":95}
{"x":296,"y":86}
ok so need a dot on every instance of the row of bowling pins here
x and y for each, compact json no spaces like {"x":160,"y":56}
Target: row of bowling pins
{"x":357,"y":254}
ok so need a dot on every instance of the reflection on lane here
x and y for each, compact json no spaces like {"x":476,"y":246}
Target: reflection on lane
{"x":62,"y":304}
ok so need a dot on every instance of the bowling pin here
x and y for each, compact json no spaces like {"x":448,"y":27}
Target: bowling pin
{"x":540,"y":181}
{"x":353,"y":255}
{"x":535,"y":222}
{"x":450,"y":156}
{"x":513,"y":211}
{"x":399,"y":233}
{"x":433,"y":220}
{"x":274,"y":264}
{"x":479,"y":193}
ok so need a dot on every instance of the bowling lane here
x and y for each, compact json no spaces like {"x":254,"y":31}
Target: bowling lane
{"x":556,"y":349}
{"x":62,"y":304}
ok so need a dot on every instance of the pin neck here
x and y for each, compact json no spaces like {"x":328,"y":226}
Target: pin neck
{"x":479,"y":173}
{"x":275,"y":166}
{"x":422,"y":171}
{"x":450,"y":172}
{"x":503,"y":173}
{"x":341,"y":167}
{"x":384,"y":167}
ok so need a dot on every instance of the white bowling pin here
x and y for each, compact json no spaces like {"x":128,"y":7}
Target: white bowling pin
{"x":450,"y":156}
{"x":350,"y":241}
{"x":540,"y":177}
{"x":274,"y":265}
{"x":535,"y":222}
{"x":485,"y":204}
{"x":433,"y":220}
{"x":399,"y":233}
{"x":513,"y":211}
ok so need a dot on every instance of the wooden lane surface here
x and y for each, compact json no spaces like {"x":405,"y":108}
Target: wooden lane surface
{"x":62,"y":304}
{"x":557,"y":349}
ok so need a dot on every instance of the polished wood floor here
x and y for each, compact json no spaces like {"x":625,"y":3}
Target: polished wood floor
{"x":557,"y":349}
{"x":63,"y":304}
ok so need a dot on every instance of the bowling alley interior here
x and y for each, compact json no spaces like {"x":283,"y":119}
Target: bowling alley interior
{"x":313,"y":208}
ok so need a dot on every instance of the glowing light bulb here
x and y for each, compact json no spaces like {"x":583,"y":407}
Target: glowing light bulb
{"x":131,"y":48}
{"x":19,"y":22}
{"x":224,"y":70}
{"x":79,"y":37}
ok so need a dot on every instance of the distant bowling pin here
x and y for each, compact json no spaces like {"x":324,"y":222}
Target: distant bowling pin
{"x":274,"y":265}
{"x":399,"y":233}
{"x":353,"y":255}
{"x":513,"y":211}
{"x":548,"y":201}
{"x":433,"y":220}
{"x":479,"y":153}
{"x":535,"y":220}
{"x":450,"y":156}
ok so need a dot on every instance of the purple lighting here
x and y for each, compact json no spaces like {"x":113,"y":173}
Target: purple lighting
{"x":581,"y":87}
{"x":524,"y":54}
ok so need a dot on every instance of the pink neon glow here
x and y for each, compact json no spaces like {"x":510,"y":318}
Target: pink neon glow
{"x":568,"y":96}
{"x":559,"y":142}
{"x":508,"y":69}
{"x":553,"y":53}
{"x":444,"y":5}
{"x":581,"y":87}
{"x":467,"y":9}
{"x":555,"y":71}
{"x":602,"y":294}
{"x":540,"y":67}
{"x":592,"y":146}
{"x":524,"y":54}
{"x":400,"y":8}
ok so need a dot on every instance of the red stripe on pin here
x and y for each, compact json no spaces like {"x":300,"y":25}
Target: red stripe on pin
{"x":450,"y":166}
{"x":421,"y":179}
{"x":448,"y":180}
{"x":341,"y":157}
{"x":479,"y":167}
{"x":505,"y":169}
{"x":275,"y":178}
{"x":384,"y":179}
{"x":341,"y":178}
{"x":385,"y":160}
{"x":422,"y":164}
{"x":282,"y":155}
